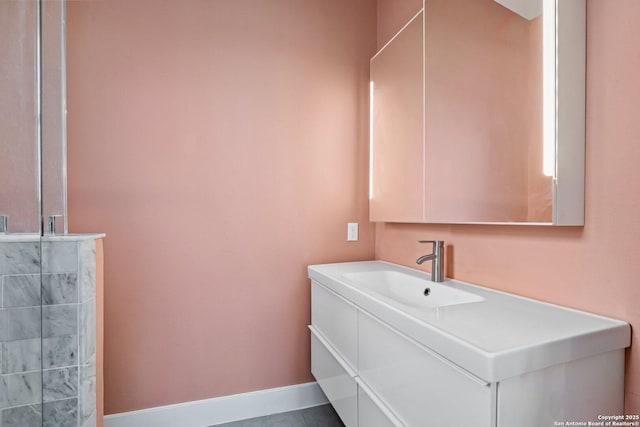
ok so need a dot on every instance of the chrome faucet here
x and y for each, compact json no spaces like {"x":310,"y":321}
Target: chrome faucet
{"x":436,"y":258}
{"x":53,"y":224}
{"x":4,"y":228}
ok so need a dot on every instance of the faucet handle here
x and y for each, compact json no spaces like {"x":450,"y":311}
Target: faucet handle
{"x":434,"y":242}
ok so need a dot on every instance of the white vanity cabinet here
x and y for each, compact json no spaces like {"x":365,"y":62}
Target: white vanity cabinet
{"x":371,"y":411}
{"x":333,"y":322}
{"x":336,"y":380}
{"x":377,"y":368}
{"x":416,"y":383}
{"x":396,"y":382}
{"x":337,"y":319}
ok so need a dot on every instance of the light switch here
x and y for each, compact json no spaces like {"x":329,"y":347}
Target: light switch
{"x":352,"y":231}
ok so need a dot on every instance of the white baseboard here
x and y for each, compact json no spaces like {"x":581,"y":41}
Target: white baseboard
{"x":201,"y":413}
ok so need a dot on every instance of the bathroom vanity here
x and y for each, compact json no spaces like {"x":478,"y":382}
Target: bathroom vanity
{"x":391,"y":348}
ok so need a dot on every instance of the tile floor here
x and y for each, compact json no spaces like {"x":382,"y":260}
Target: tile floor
{"x":318,"y":416}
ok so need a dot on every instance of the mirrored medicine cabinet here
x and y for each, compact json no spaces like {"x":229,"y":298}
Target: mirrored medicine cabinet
{"x":478,"y":115}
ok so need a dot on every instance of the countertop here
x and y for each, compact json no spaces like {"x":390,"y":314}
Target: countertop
{"x":501,"y":336}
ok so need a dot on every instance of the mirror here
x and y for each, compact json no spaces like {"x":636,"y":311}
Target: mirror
{"x":396,"y":170}
{"x":486,"y":125}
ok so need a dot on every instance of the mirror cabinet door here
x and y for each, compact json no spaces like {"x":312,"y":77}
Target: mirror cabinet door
{"x":500,"y":97}
{"x":483,"y":82}
{"x":396,"y":190}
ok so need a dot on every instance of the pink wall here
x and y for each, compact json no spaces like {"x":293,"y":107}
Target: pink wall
{"x":594,"y":268}
{"x":222,"y":146}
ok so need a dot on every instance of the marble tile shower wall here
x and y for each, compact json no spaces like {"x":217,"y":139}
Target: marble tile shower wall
{"x":47,"y":334}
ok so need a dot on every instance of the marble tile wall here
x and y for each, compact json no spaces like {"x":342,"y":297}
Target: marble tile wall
{"x":47,"y":334}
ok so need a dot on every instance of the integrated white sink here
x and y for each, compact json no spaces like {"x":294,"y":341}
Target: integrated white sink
{"x":410,"y":290}
{"x":492,"y":334}
{"x":386,"y":354}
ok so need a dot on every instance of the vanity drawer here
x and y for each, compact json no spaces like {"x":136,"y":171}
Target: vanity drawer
{"x":372,"y":412}
{"x":335,"y":379}
{"x":422,"y":388}
{"x":337,"y":321}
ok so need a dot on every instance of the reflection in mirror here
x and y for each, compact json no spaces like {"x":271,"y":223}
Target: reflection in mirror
{"x":397,"y":117}
{"x":502,"y":115}
{"x":483,"y":112}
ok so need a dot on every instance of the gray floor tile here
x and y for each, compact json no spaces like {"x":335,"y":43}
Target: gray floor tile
{"x":287,"y":419}
{"x":318,"y":416}
{"x":321,"y":416}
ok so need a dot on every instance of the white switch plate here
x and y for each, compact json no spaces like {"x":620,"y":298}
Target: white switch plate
{"x":352,"y":231}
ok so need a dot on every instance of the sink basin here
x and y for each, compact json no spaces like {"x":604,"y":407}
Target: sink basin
{"x":410,"y":290}
{"x":498,"y":338}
